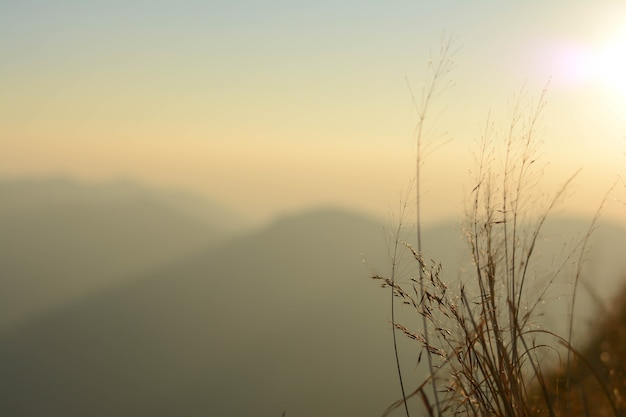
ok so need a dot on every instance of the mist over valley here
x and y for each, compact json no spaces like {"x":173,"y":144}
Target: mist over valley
{"x":117,"y":301}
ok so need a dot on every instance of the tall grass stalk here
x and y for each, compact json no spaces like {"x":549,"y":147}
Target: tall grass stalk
{"x":579,"y":269}
{"x":394,"y":255}
{"x":440,"y":71}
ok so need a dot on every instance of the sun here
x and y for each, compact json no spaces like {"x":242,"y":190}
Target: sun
{"x":610,"y":65}
{"x":599,"y":64}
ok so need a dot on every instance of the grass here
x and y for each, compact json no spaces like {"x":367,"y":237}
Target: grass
{"x":596,"y":379}
{"x":484,"y":353}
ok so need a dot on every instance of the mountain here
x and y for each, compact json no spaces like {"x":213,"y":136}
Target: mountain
{"x":61,"y":239}
{"x":282,"y":319}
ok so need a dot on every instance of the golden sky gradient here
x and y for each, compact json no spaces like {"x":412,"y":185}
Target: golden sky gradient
{"x":275,"y":106}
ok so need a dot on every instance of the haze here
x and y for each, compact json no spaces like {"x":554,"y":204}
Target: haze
{"x":275,"y":106}
{"x":188,"y":190}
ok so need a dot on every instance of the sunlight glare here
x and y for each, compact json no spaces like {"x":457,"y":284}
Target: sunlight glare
{"x":611,"y":65}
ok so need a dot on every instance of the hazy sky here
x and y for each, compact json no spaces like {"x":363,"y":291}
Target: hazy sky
{"x":275,"y":105}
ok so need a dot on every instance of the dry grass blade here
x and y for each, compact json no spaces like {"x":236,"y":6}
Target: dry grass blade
{"x":483,"y":356}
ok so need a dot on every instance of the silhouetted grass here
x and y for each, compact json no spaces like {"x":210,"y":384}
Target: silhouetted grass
{"x":485,"y":354}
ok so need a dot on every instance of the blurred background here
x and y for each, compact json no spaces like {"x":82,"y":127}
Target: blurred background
{"x":188,"y":189}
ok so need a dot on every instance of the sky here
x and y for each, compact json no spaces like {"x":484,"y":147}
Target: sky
{"x":275,"y":106}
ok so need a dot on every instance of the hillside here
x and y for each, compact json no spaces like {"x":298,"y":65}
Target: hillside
{"x":284,"y":318}
{"x":61,"y":240}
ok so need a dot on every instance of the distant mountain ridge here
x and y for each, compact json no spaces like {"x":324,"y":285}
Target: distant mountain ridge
{"x":29,"y":193}
{"x":61,"y":239}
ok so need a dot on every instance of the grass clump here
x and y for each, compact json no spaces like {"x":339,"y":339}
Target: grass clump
{"x":484,"y":353}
